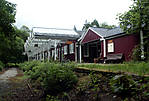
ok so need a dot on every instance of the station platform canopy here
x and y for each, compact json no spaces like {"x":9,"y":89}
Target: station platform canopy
{"x":54,"y":33}
{"x":42,"y":39}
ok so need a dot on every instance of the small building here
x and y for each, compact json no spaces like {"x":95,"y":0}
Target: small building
{"x":73,"y":45}
{"x":101,"y":42}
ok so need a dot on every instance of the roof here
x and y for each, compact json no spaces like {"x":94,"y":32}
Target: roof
{"x":54,"y":30}
{"x":80,"y":32}
{"x":55,"y":33}
{"x":108,"y":32}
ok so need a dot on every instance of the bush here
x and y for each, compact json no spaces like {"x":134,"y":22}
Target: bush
{"x":1,"y":66}
{"x":136,"y":55}
{"x":26,"y":66}
{"x":10,"y":65}
{"x":58,"y":79}
{"x":54,"y":78}
{"x":123,"y":85}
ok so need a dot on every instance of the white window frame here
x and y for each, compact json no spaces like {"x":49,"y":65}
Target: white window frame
{"x":65,"y":50}
{"x":110,"y":47}
{"x":71,"y":48}
{"x":87,"y":49}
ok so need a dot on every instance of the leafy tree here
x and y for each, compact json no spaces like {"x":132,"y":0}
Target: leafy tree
{"x":105,"y":25}
{"x":136,"y":20}
{"x":86,"y":25}
{"x":11,"y":38}
{"x":7,"y":18}
{"x":96,"y":24}
{"x":7,"y":35}
{"x":23,"y":32}
{"x":17,"y":50}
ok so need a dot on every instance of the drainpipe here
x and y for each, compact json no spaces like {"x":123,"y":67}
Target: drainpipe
{"x":48,"y":53}
{"x":43,"y":51}
{"x":55,"y":50}
{"x":104,"y":43}
{"x":75,"y":52}
{"x":80,"y":54}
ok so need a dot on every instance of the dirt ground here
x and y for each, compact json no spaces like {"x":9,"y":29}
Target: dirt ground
{"x":14,"y":88}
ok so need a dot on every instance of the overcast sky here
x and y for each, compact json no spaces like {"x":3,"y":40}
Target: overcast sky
{"x":67,"y":13}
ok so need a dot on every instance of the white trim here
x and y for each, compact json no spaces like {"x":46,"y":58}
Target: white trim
{"x":83,"y":36}
{"x":87,"y":32}
{"x":76,"y":53}
{"x":80,"y":54}
{"x":96,"y":33}
{"x":104,"y":46}
{"x":55,"y":55}
{"x":104,"y":49}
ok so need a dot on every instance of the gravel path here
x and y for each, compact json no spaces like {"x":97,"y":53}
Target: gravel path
{"x":5,"y":84}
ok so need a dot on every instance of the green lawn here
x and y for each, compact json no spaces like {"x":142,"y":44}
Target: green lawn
{"x":140,"y":68}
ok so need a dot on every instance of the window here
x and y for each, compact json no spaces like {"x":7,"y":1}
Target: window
{"x":65,"y":49}
{"x":86,"y":50}
{"x":111,"y":47}
{"x":71,"y":48}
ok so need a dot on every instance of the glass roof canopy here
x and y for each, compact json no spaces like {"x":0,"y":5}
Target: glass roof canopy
{"x":42,"y":39}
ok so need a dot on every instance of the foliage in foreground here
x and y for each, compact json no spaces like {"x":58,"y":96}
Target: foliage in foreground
{"x":1,"y":66}
{"x":123,"y":85}
{"x":53,"y":78}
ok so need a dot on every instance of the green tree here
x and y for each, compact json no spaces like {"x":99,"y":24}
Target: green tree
{"x":17,"y":50}
{"x":23,"y":32}
{"x":96,"y":24}
{"x":17,"y":46}
{"x":7,"y":35}
{"x":136,"y":20}
{"x":7,"y":18}
{"x":105,"y":25}
{"x":11,"y":38}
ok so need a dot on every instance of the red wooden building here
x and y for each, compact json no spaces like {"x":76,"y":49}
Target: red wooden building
{"x":101,"y":42}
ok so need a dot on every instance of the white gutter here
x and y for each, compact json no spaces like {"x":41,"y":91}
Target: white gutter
{"x":104,"y":43}
{"x":75,"y":52}
{"x":104,"y":46}
{"x":55,"y":45}
{"x":80,"y":53}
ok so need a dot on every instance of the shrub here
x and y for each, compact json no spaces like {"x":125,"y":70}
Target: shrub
{"x":59,"y":79}
{"x":10,"y":65}
{"x":136,"y":53}
{"x":54,"y":78}
{"x":1,"y":66}
{"x":123,"y":85}
{"x":26,"y":66}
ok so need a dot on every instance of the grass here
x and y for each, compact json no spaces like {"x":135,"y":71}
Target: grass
{"x":139,"y":68}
